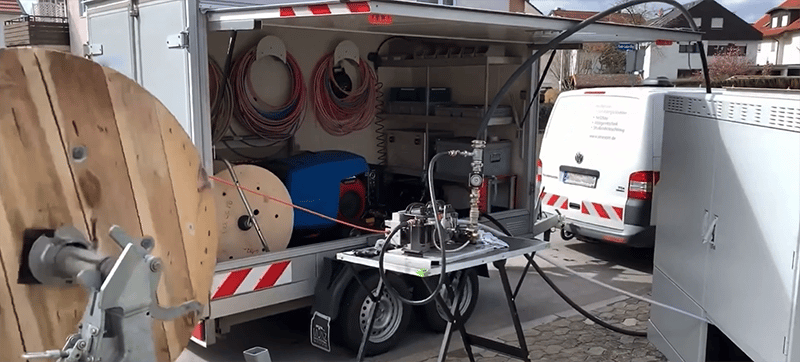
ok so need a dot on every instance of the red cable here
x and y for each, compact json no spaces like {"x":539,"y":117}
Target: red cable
{"x":231,"y":184}
{"x":252,"y":110}
{"x":354,"y":112}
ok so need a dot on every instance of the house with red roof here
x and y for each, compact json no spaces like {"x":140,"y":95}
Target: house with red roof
{"x":9,"y":9}
{"x":780,"y":27}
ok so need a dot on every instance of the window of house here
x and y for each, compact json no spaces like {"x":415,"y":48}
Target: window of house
{"x":785,"y":20}
{"x":774,"y":21}
{"x":688,"y":48}
{"x":698,"y":21}
{"x":687,"y":73}
{"x":716,"y":23}
{"x":724,"y":49}
{"x":773,"y":46}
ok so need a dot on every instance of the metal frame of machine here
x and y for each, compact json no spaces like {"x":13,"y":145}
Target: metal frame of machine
{"x":165,"y":43}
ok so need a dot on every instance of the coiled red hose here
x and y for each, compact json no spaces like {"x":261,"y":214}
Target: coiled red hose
{"x":221,"y":104}
{"x":275,"y":123}
{"x":354,"y":112}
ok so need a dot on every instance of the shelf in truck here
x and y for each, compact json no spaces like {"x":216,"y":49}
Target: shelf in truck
{"x":494,"y":121}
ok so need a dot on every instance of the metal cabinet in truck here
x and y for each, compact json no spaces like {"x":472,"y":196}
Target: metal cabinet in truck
{"x":169,"y":46}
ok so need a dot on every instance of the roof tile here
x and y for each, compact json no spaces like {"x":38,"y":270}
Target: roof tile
{"x":619,"y":18}
{"x":10,"y":7}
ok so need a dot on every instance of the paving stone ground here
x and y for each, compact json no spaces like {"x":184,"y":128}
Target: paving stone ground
{"x":577,"y":338}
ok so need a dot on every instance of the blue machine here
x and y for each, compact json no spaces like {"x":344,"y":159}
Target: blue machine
{"x":313,"y":180}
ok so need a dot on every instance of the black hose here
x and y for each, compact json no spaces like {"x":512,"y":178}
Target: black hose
{"x":564,"y":296}
{"x":565,"y":34}
{"x":535,"y":98}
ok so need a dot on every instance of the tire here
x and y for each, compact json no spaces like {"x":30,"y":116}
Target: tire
{"x":391,"y":321}
{"x":433,"y":316}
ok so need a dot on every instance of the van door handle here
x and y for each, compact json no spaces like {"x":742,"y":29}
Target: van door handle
{"x":575,"y":206}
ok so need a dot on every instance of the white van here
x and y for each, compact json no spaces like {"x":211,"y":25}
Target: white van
{"x":600,"y":162}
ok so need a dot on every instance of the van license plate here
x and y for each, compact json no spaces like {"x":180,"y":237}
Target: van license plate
{"x":579,"y":179}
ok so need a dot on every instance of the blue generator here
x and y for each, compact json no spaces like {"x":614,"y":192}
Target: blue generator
{"x":314,"y":180}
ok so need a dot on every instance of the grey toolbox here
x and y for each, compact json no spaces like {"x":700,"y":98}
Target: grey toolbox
{"x":496,"y":159}
{"x":410,"y":149}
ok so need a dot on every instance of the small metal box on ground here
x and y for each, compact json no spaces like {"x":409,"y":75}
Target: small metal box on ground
{"x":410,"y":149}
{"x":496,"y":159}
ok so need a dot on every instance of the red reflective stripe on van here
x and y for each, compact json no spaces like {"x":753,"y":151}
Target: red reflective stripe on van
{"x":319,"y":9}
{"x":601,"y":211}
{"x":618,"y":210}
{"x":287,"y":11}
{"x":565,"y":205}
{"x":584,"y":209}
{"x":553,"y":200}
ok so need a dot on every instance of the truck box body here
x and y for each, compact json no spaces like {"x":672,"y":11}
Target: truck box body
{"x":165,"y":45}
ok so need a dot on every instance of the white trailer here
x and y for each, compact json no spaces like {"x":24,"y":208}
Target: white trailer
{"x":165,"y":45}
{"x":727,"y":234}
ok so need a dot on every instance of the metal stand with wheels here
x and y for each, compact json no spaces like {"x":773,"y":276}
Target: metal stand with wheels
{"x":517,"y":247}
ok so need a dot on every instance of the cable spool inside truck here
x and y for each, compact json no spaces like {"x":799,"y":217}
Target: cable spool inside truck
{"x":339,"y":110}
{"x":277,"y":123}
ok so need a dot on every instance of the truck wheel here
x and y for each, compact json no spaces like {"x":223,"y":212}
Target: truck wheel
{"x":432,"y":314}
{"x":391,"y":317}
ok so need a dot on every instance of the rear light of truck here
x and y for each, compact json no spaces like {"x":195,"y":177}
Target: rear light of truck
{"x":539,"y":170}
{"x":640,"y":185}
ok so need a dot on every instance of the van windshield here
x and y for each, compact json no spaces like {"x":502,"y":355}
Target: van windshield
{"x":598,"y":120}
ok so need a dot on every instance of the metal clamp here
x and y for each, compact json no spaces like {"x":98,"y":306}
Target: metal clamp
{"x":117,"y":322}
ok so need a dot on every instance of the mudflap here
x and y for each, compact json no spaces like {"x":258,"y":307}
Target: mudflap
{"x":332,"y":283}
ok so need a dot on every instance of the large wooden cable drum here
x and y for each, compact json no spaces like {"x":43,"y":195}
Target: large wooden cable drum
{"x":83,"y":145}
{"x":237,"y":237}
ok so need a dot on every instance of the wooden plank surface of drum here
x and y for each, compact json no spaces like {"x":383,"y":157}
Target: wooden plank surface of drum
{"x":83,"y":145}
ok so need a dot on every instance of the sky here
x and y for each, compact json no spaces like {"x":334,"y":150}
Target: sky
{"x":749,"y":10}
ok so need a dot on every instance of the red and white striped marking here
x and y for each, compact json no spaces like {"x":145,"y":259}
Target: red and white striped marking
{"x":554,"y":200}
{"x":601,"y":211}
{"x":324,"y":9}
{"x":247,"y":280}
{"x":199,"y":333}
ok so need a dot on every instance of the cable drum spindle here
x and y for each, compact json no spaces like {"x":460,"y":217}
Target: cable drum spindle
{"x":277,"y":123}
{"x":221,"y":103}
{"x":353,"y":112}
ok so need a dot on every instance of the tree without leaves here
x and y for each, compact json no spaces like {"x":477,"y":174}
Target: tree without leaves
{"x":727,"y":64}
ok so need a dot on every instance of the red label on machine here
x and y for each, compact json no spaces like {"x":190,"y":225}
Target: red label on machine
{"x":251,"y":279}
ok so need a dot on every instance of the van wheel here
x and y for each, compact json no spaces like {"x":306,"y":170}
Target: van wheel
{"x":391,"y":317}
{"x":566,"y":235}
{"x":432,"y":314}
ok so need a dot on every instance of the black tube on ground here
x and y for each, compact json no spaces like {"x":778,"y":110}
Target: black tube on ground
{"x":563,"y":296}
